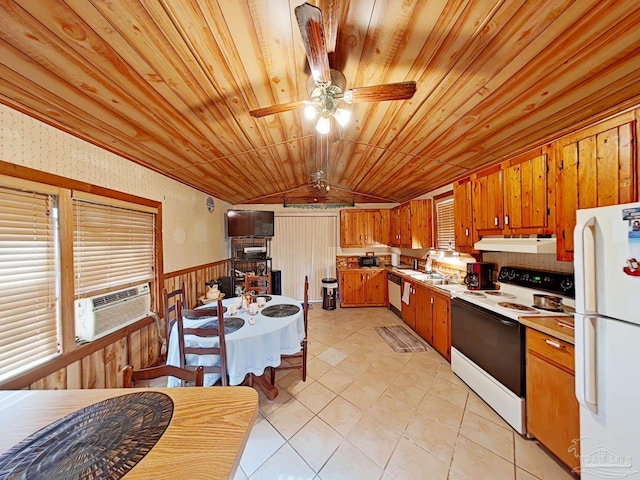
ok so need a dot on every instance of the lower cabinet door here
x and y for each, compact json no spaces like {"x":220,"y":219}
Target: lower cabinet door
{"x":442,"y":325}
{"x":552,"y":408}
{"x":424,"y":318}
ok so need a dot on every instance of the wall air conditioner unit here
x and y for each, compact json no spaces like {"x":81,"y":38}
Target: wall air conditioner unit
{"x":103,"y":314}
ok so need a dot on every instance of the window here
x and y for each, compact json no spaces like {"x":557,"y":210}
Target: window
{"x":29,"y":280}
{"x":113,"y":245}
{"x":44,"y":231}
{"x":445,"y":234}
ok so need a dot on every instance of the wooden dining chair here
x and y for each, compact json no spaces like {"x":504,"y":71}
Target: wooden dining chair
{"x":297,"y":360}
{"x":257,"y":283}
{"x":220,"y":350}
{"x":169,"y":307}
{"x":131,"y":376}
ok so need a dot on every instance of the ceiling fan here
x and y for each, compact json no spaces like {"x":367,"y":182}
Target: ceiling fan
{"x":326,"y":86}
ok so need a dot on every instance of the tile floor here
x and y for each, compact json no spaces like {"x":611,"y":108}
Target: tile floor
{"x":366,"y":412}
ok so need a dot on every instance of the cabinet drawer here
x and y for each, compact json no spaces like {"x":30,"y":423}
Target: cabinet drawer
{"x":551,"y":348}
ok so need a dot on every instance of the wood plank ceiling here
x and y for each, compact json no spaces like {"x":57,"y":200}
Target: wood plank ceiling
{"x":168,"y":84}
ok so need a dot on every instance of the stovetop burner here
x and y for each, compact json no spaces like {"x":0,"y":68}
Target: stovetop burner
{"x":497,"y":293}
{"x":517,"y":307}
{"x":474,"y":294}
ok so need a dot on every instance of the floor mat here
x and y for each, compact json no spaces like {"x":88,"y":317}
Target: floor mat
{"x":401,"y":340}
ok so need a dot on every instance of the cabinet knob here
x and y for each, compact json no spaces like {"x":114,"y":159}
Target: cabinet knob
{"x":506,"y":219}
{"x":496,"y":220}
{"x":466,"y":232}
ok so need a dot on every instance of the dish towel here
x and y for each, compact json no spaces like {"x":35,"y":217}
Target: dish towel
{"x":406,"y":292}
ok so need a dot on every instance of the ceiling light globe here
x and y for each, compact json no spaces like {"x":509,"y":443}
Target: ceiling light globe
{"x":310,"y":112}
{"x":323,"y":125}
{"x":342,"y":116}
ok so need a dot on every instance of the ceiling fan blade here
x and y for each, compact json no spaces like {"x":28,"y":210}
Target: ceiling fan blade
{"x":312,"y":32}
{"x":381,"y":93}
{"x":331,"y":10}
{"x":283,"y":107}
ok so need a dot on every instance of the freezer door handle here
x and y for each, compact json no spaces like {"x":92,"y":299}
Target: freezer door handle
{"x":585,"y":266}
{"x":586,"y":369}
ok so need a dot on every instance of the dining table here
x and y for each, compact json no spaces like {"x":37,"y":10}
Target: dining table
{"x":131,"y":433}
{"x":253,"y":342}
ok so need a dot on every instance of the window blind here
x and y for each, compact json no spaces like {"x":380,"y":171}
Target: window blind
{"x":29,"y":294}
{"x":113,"y":246}
{"x":445,"y":224}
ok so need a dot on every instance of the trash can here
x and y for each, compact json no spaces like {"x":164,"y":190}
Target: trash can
{"x":329,"y":288}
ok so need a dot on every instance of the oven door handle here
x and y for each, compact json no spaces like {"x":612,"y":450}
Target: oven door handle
{"x":507,"y":322}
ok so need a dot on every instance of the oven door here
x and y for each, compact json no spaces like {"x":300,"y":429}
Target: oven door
{"x":493,"y":342}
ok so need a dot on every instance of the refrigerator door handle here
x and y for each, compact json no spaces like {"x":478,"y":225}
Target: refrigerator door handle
{"x":585,"y":266}
{"x":585,"y":362}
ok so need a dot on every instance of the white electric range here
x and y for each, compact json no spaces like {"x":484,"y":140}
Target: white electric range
{"x":487,"y":340}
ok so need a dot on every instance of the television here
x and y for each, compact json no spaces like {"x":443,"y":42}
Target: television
{"x":249,"y":223}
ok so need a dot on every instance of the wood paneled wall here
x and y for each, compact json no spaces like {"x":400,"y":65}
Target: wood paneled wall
{"x":195,"y":279}
{"x":99,"y":364}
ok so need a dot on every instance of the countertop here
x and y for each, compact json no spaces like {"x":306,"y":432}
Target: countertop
{"x":556,"y":326}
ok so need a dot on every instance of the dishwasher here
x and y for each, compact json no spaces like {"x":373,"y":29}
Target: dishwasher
{"x":394,"y":283}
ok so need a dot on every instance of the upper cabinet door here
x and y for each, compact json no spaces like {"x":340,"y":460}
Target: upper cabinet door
{"x":596,"y":168}
{"x":487,"y":202}
{"x":394,"y":222}
{"x":463,"y":216}
{"x":525,"y":196}
{"x":405,"y":225}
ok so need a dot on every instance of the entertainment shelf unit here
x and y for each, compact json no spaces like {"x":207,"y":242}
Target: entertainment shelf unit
{"x":242,"y":263}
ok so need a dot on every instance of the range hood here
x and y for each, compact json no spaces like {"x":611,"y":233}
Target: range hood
{"x":518,"y":245}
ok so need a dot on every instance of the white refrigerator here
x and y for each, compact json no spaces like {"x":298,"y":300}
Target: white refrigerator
{"x":607,"y":340}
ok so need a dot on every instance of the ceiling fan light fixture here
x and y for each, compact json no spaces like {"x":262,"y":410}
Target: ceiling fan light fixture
{"x":323,"y":125}
{"x":342,"y":116}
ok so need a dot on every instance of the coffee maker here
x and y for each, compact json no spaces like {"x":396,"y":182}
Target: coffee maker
{"x":479,"y":276}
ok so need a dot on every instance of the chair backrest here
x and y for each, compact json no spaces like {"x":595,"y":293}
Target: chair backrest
{"x":257,"y":283}
{"x":305,"y":305}
{"x":169,"y":307}
{"x":131,"y":376}
{"x":214,"y":331}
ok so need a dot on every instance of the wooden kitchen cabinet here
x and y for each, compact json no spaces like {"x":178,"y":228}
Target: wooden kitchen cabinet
{"x":487,"y":202}
{"x":363,"y":228}
{"x":394,"y":224}
{"x":596,"y":167}
{"x":416,"y":224}
{"x":429,"y":315}
{"x":409,"y":310}
{"x":441,"y":318}
{"x":512,"y":198}
{"x":363,"y":287}
{"x":552,"y":409}
{"x":423,"y":312}
{"x":465,"y":236}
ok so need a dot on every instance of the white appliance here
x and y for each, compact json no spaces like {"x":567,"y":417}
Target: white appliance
{"x":607,"y":340}
{"x":393,"y":284}
{"x":103,"y":314}
{"x":488,"y":341}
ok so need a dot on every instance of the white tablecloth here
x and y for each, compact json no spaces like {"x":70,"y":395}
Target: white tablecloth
{"x":250,"y":349}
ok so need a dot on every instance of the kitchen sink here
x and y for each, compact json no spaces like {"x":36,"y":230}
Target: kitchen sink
{"x":429,"y":278}
{"x":411,"y":273}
